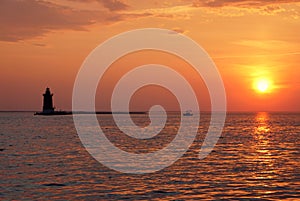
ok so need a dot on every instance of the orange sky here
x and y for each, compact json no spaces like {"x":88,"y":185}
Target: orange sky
{"x":43,"y":43}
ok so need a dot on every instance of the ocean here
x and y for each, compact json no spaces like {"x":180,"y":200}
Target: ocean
{"x":256,"y":158}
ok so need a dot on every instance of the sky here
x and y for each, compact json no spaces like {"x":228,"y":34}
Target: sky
{"x":255,"y":45}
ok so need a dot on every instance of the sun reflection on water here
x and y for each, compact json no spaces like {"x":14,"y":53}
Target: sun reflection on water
{"x":262,"y":125}
{"x":262,"y":148}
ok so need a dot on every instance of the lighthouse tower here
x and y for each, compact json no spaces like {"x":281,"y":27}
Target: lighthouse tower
{"x":48,"y":103}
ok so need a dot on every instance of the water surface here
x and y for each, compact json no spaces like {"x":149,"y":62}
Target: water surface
{"x":257,"y":158}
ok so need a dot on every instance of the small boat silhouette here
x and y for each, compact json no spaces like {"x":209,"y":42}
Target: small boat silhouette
{"x":188,"y":113}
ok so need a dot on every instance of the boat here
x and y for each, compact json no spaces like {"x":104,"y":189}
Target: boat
{"x":188,"y":113}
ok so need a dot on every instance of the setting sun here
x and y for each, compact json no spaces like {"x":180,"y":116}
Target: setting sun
{"x":262,"y":85}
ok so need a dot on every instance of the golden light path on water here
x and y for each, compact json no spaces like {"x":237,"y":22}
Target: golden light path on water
{"x":262,"y":132}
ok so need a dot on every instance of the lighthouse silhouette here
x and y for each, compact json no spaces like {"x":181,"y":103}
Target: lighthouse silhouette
{"x":48,"y":108}
{"x":48,"y":102}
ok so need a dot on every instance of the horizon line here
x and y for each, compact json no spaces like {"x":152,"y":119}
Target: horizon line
{"x":206,"y":111}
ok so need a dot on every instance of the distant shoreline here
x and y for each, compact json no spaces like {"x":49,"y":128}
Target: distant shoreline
{"x":109,"y":112}
{"x":83,"y":112}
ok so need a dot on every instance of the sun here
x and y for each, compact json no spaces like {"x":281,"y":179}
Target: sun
{"x":262,"y":85}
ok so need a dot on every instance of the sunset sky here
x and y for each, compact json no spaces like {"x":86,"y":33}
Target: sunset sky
{"x":254,"y":43}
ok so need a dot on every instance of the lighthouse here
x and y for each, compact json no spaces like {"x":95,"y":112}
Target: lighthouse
{"x":48,"y":108}
{"x":48,"y":102}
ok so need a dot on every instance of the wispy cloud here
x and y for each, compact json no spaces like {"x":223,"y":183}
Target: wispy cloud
{"x":240,"y":3}
{"x":236,"y":8}
{"x":39,"y":44}
{"x":264,"y":44}
{"x":178,"y":30}
{"x":113,"y":5}
{"x":173,"y":12}
{"x":256,"y":55}
{"x":26,"y":19}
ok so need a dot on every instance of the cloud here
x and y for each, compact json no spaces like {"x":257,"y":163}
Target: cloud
{"x":175,"y":12}
{"x":113,"y":5}
{"x":257,"y":55}
{"x":235,"y":8}
{"x":264,"y":44}
{"x":39,"y":44}
{"x":26,"y":19}
{"x":177,"y":30}
{"x":240,"y":3}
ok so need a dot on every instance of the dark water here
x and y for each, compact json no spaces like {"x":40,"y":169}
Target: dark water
{"x":257,"y":158}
